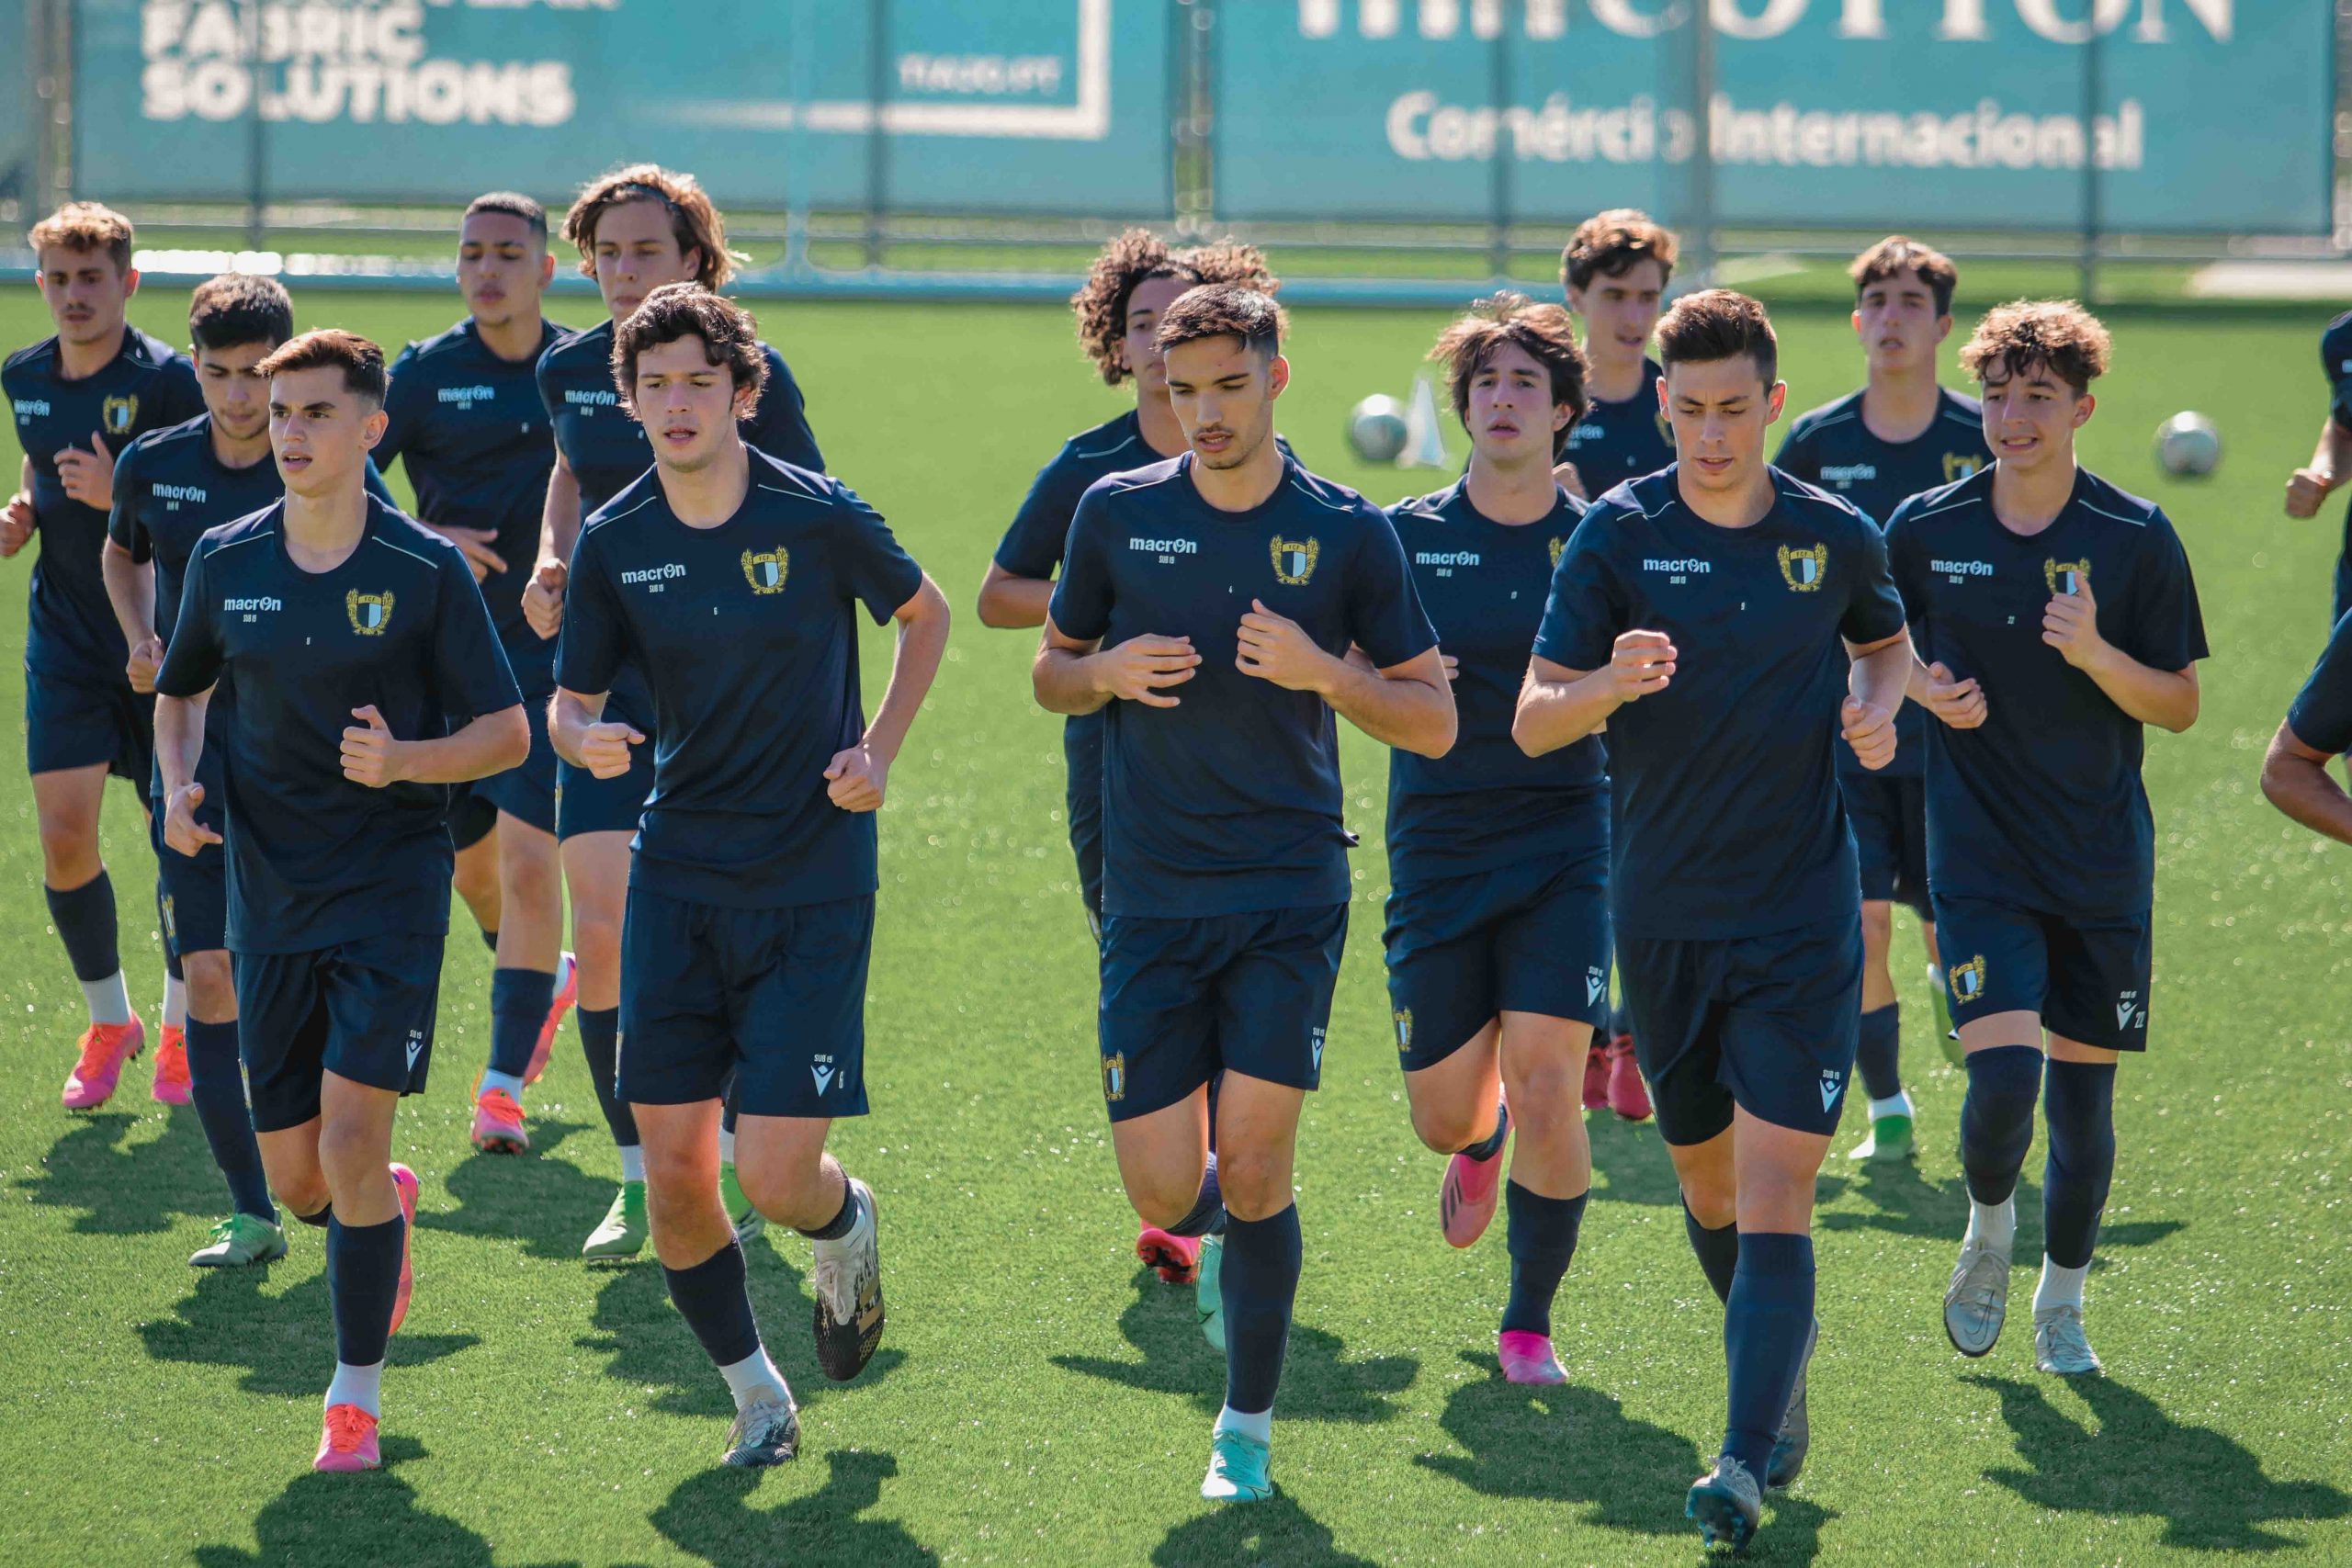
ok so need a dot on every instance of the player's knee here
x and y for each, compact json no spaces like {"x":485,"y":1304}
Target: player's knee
{"x":533,"y":880}
{"x":1713,"y":1199}
{"x":596,"y":939}
{"x":211,"y":987}
{"x":1256,"y":1185}
{"x":350,"y":1152}
{"x":789,"y":1192}
{"x":69,"y":851}
{"x":1442,"y":1127}
{"x":1878,"y":931}
{"x":1547,"y":1102}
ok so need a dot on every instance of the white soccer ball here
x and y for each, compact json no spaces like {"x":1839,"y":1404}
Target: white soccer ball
{"x":1377,"y":428}
{"x":2189,"y":445}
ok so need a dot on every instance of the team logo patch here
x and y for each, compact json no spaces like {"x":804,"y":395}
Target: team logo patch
{"x":766,"y":571}
{"x":171,"y":922}
{"x":1831,"y":1089}
{"x":2066,"y":576}
{"x":1960,"y":465}
{"x":1968,"y":979}
{"x":119,"y":415}
{"x":1805,"y":570}
{"x":1115,"y":1076}
{"x":1295,"y":561}
{"x":1558,"y":546}
{"x":370,"y":612}
{"x":1403,"y":1017}
{"x":1596,"y":984}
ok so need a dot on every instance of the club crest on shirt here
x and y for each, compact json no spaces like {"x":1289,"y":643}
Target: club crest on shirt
{"x":765,"y":570}
{"x":1115,"y":1076}
{"x":1958,"y":465}
{"x":1404,"y":1019}
{"x":1295,"y":561}
{"x":2066,"y":576}
{"x":1968,"y":979}
{"x":119,"y":415}
{"x":370,"y":612}
{"x":1805,"y":569}
{"x":1557,"y":546}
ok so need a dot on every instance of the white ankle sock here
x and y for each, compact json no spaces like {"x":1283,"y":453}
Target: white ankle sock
{"x":108,"y":1000}
{"x":357,"y":1385}
{"x":1895,"y":1104}
{"x":492,"y":1078}
{"x":633,"y":1163}
{"x":174,"y":1003}
{"x":1994,"y":1225}
{"x":1259,"y":1425}
{"x":2059,"y":1287}
{"x":752,"y":1376}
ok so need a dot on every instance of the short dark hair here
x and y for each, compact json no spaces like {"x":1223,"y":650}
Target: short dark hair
{"x":1615,"y":241}
{"x":695,"y":221}
{"x":513,"y":205}
{"x":2024,"y":334}
{"x":238,"y":308}
{"x":729,"y":337}
{"x":1223,"y":310}
{"x":361,"y":362}
{"x":1546,"y":332}
{"x":1719,"y":323}
{"x":1899,"y":253}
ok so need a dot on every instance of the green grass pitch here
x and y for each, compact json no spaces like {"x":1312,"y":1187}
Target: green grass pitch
{"x":1040,"y":1399}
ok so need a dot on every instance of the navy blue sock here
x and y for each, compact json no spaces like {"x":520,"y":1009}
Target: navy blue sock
{"x":1882,"y":1042}
{"x":600,"y":1031}
{"x":85,"y":921}
{"x":1718,"y":1251}
{"x":844,"y":1218}
{"x":1765,"y":1324}
{"x":217,"y":1084}
{"x":171,"y":947}
{"x":1541,"y":1241}
{"x":1997,"y":1119}
{"x":1259,"y":1285}
{"x":1216,"y":1084}
{"x":321,"y":1220}
{"x":713,"y":1300}
{"x":519,"y":1003}
{"x":1491,"y":1144}
{"x":2079,"y":1100}
{"x":363,"y":1276}
{"x":1207,"y":1214}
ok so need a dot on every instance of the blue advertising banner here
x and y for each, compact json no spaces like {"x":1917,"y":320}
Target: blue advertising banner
{"x":2211,"y":115}
{"x":19,"y":124}
{"x":1027,"y":106}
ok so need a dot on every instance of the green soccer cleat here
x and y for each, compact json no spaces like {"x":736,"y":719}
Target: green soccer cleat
{"x":1238,"y":1470}
{"x":238,"y":1242}
{"x":622,"y":1234}
{"x":1208,"y":1301}
{"x":1889,"y":1143}
{"x":748,"y":1222}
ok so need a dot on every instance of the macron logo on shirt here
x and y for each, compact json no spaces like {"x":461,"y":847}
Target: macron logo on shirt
{"x":600,"y":397}
{"x":230,"y":606}
{"x":1847,"y":473}
{"x":178,"y":493}
{"x":1679,"y":565}
{"x":1445,"y":558}
{"x":465,"y":397}
{"x":32,"y":408}
{"x":656,"y":574}
{"x":1956,"y":570}
{"x":1166,"y":549}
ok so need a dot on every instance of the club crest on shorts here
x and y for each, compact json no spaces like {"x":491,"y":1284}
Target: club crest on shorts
{"x":1115,"y":1076}
{"x":370,"y":612}
{"x":1556,"y":546}
{"x":1295,"y":561}
{"x":1958,"y":465}
{"x":119,"y":415}
{"x":765,"y":570}
{"x":1805,"y":569}
{"x":1967,"y":979}
{"x":2066,"y":576}
{"x":1404,"y":1018}
{"x":171,"y":921}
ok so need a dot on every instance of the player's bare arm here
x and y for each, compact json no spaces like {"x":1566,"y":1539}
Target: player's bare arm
{"x":581,"y":736}
{"x":130,"y":588}
{"x":2308,"y":486}
{"x":1882,"y":669}
{"x":2167,"y":698}
{"x":1960,"y":705}
{"x":1074,"y":677}
{"x":179,"y":740}
{"x":1409,"y":706}
{"x":491,"y":744}
{"x":1010,"y":603}
{"x":559,"y":532}
{"x":2295,"y":779}
{"x":858,"y":777}
{"x":1559,"y":706}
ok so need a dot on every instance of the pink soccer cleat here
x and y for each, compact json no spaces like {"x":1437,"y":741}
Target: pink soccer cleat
{"x":498,"y":1123}
{"x":348,"y":1442}
{"x":1527,"y":1358}
{"x":404,"y":1182}
{"x":105,"y":1048}
{"x":567,"y":991}
{"x":1628,"y":1096}
{"x":1596,"y":1078}
{"x":1465,"y":1202}
{"x":171,"y":1086}
{"x":1178,"y":1258}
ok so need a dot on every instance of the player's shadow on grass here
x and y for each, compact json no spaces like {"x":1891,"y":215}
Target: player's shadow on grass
{"x":1904,"y":1202}
{"x":710,"y":1515}
{"x":1630,"y":1163}
{"x":128,"y":1189}
{"x":285,"y":1344}
{"x":648,"y":1344}
{"x":549,"y":1205}
{"x":1277,"y":1530}
{"x":1319,"y":1383}
{"x":331,"y":1518}
{"x":2209,"y":1489}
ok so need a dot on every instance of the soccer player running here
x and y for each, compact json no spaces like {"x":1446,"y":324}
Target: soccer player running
{"x":636,"y":229}
{"x":465,"y":415}
{"x":2308,"y":487}
{"x":2061,"y":619}
{"x":1209,"y":603}
{"x":1900,"y":435}
{"x":726,"y":575}
{"x":2317,"y":730}
{"x":356,"y":644}
{"x":1614,"y":271}
{"x":79,"y":397}
{"x":1729,"y":624}
{"x":1498,"y":935}
{"x":1132,"y":281}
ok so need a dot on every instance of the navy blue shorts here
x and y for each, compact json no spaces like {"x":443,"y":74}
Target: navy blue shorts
{"x":776,"y":997}
{"x":1531,"y":937}
{"x":586,"y":804}
{"x":1185,"y":999}
{"x":362,"y":1010}
{"x":471,"y":816}
{"x":527,"y":790}
{"x":1768,"y":1023}
{"x":195,"y":887}
{"x":2086,"y":979}
{"x":75,"y":722}
{"x":1082,"y":752}
{"x":1890,"y":821}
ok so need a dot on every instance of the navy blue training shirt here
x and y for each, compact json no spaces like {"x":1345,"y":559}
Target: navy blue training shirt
{"x":2335,"y":362}
{"x":2322,"y":715}
{"x":1230,"y":801}
{"x":748,"y":634}
{"x":1725,"y":819}
{"x":1487,"y":804}
{"x":315,"y":859}
{"x":1615,"y":442}
{"x":2041,"y":807}
{"x":1831,"y":448}
{"x":145,"y":386}
{"x":475,"y":436}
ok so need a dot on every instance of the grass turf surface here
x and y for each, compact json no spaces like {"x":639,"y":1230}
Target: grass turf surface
{"x":1040,"y":1398}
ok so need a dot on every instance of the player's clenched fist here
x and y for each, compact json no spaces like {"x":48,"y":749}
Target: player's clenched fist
{"x":1640,"y":662}
{"x":1275,"y":647}
{"x":857,"y":779}
{"x":2070,"y":625}
{"x":1959,"y":703}
{"x":182,"y":831}
{"x":88,"y":477}
{"x":1140,"y":669}
{"x":370,"y":755}
{"x":2305,"y":490}
{"x":16,"y":524}
{"x":543,"y":598}
{"x":1870,"y":730}
{"x":604,"y":747}
{"x":145,"y":660}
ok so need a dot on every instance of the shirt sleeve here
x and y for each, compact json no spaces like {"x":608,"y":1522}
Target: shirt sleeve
{"x":588,"y":651}
{"x":400,"y":409}
{"x":2164,"y":626}
{"x":2335,"y":362}
{"x":1585,"y":612}
{"x":1874,"y":607}
{"x":193,"y":662}
{"x":868,"y":559}
{"x":1798,"y":458}
{"x":1032,"y":548}
{"x":2322,"y":715}
{"x":1384,"y":615}
{"x":122,"y":522}
{"x":178,"y":394}
{"x":469,"y":664}
{"x":1081,"y":602}
{"x":780,"y":427}
{"x":372,"y":481}
{"x":1901,"y":564}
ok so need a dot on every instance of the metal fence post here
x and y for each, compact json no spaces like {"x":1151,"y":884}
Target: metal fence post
{"x":1699,"y":228}
{"x":878,"y":135}
{"x":52,"y":25}
{"x":1498,"y":167}
{"x":257,"y":133}
{"x":2093,"y":176}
